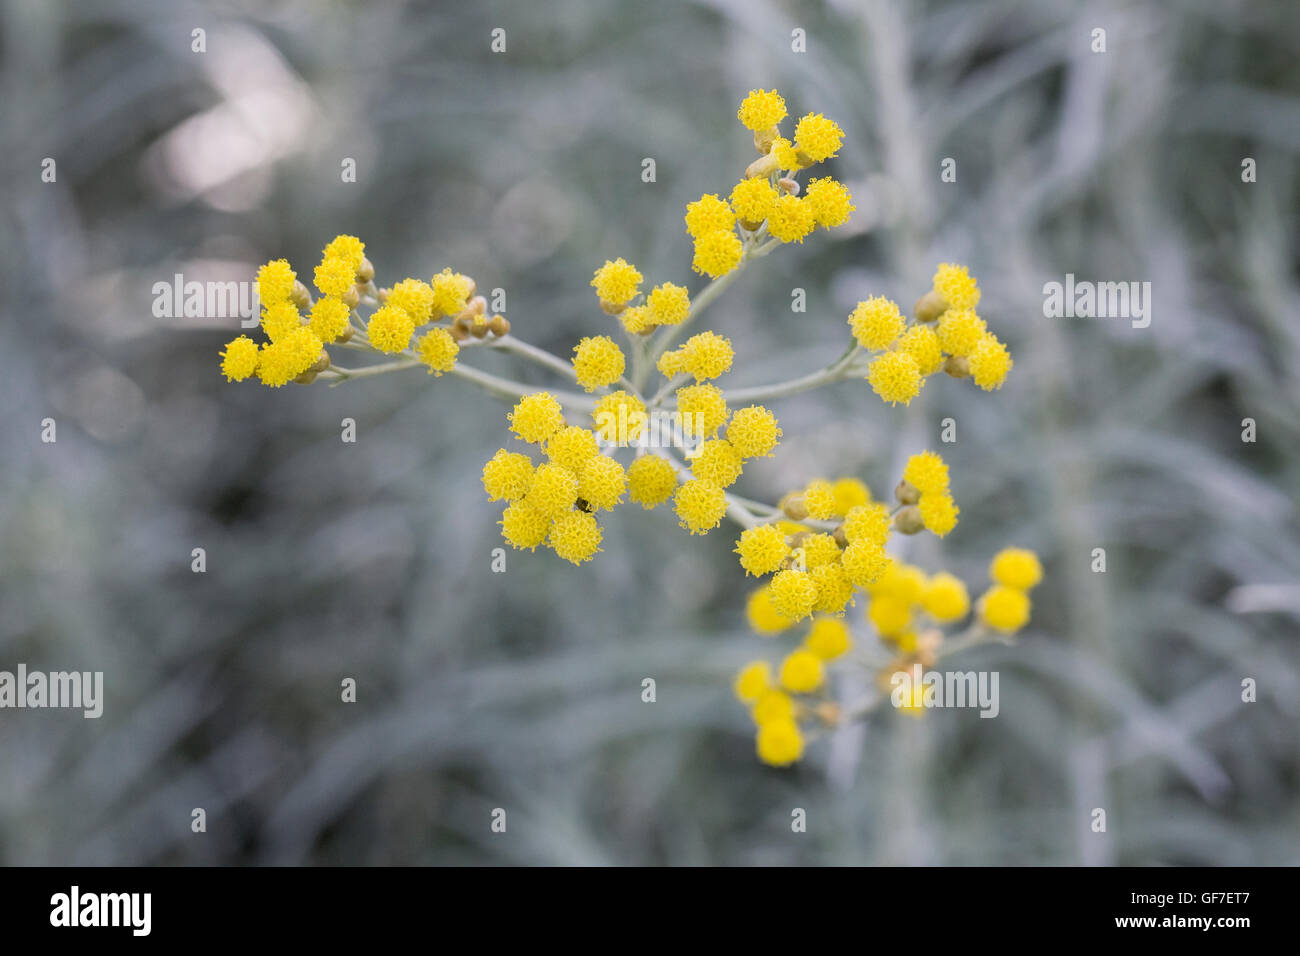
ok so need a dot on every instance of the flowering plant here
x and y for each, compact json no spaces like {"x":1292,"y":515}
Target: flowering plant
{"x":820,"y":546}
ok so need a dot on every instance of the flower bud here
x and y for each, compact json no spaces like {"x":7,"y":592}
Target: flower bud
{"x":828,"y":712}
{"x":322,"y":363}
{"x":365,"y":271}
{"x":763,"y":166}
{"x":794,"y":507}
{"x":352,"y":298}
{"x":498,"y":325}
{"x":764,"y":138}
{"x":789,"y":185}
{"x":306,"y":378}
{"x":929,"y":307}
{"x":478,"y":327}
{"x":957,"y":366}
{"x":907,"y":493}
{"x":300,"y":296}
{"x":908,"y":520}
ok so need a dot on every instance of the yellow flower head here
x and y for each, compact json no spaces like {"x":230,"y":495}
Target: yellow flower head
{"x":700,"y":506}
{"x":636,"y":319}
{"x":761,"y":110}
{"x":990,"y":362}
{"x":451,"y":292}
{"x":819,"y":550}
{"x":779,"y":743}
{"x":958,"y":289}
{"x":575,"y":536}
{"x":1016,"y":568}
{"x":960,"y":330}
{"x":790,"y":219}
{"x":773,"y":705}
{"x":787,"y":157}
{"x":753,"y":431}
{"x":716,"y":253}
{"x":669,"y":304}
{"x":945,"y":597}
{"x":1004,"y":609}
{"x":572,"y":447}
{"x":938,"y":512}
{"x":335,"y":276}
{"x":890,"y":614}
{"x":651,"y":481}
{"x":829,"y":201}
{"x":818,"y":137}
{"x":415,"y":296}
{"x":619,"y":418}
{"x":275,"y":282}
{"x":617,"y":282}
{"x":717,"y":462}
{"x":819,"y":499}
{"x":524,"y":526}
{"x":536,"y":417}
{"x":706,"y":407}
{"x":553,"y":490}
{"x":598,"y":361}
{"x":708,"y":214}
{"x":239,"y":360}
{"x":707,"y":355}
{"x":926,"y":472}
{"x":921,"y":342}
{"x":793,"y":594}
{"x":829,"y":638}
{"x":390,"y":329}
{"x":894,"y":376}
{"x":876,"y":323}
{"x":850,"y":493}
{"x":752,"y":199}
{"x":754,"y":678}
{"x":834,"y":589}
{"x":280,"y":319}
{"x":329,"y":319}
{"x":438,"y":350}
{"x":864,"y":562}
{"x":282,"y":361}
{"x":802,"y":672}
{"x":869,"y":522}
{"x":762,"y":549}
{"x":763,"y":616}
{"x":903,"y":581}
{"x":602,"y":483}
{"x":507,"y":475}
{"x":348,"y":248}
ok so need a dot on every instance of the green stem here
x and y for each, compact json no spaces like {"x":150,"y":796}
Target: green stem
{"x":836,"y":371}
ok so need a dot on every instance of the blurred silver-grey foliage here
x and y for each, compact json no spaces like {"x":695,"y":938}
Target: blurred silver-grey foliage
{"x":522,"y":690}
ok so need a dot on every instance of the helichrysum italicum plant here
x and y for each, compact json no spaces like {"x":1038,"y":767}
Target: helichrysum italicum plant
{"x":645,"y":422}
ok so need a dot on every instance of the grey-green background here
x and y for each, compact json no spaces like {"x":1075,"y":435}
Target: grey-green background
{"x":522,"y":690}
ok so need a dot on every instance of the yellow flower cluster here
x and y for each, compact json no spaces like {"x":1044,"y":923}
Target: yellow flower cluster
{"x":1005,"y":605}
{"x":766,"y":202}
{"x":299,"y":326}
{"x":925,"y":488}
{"x":948,"y":334}
{"x":553,"y":502}
{"x":779,"y":700}
{"x":908,"y":611}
